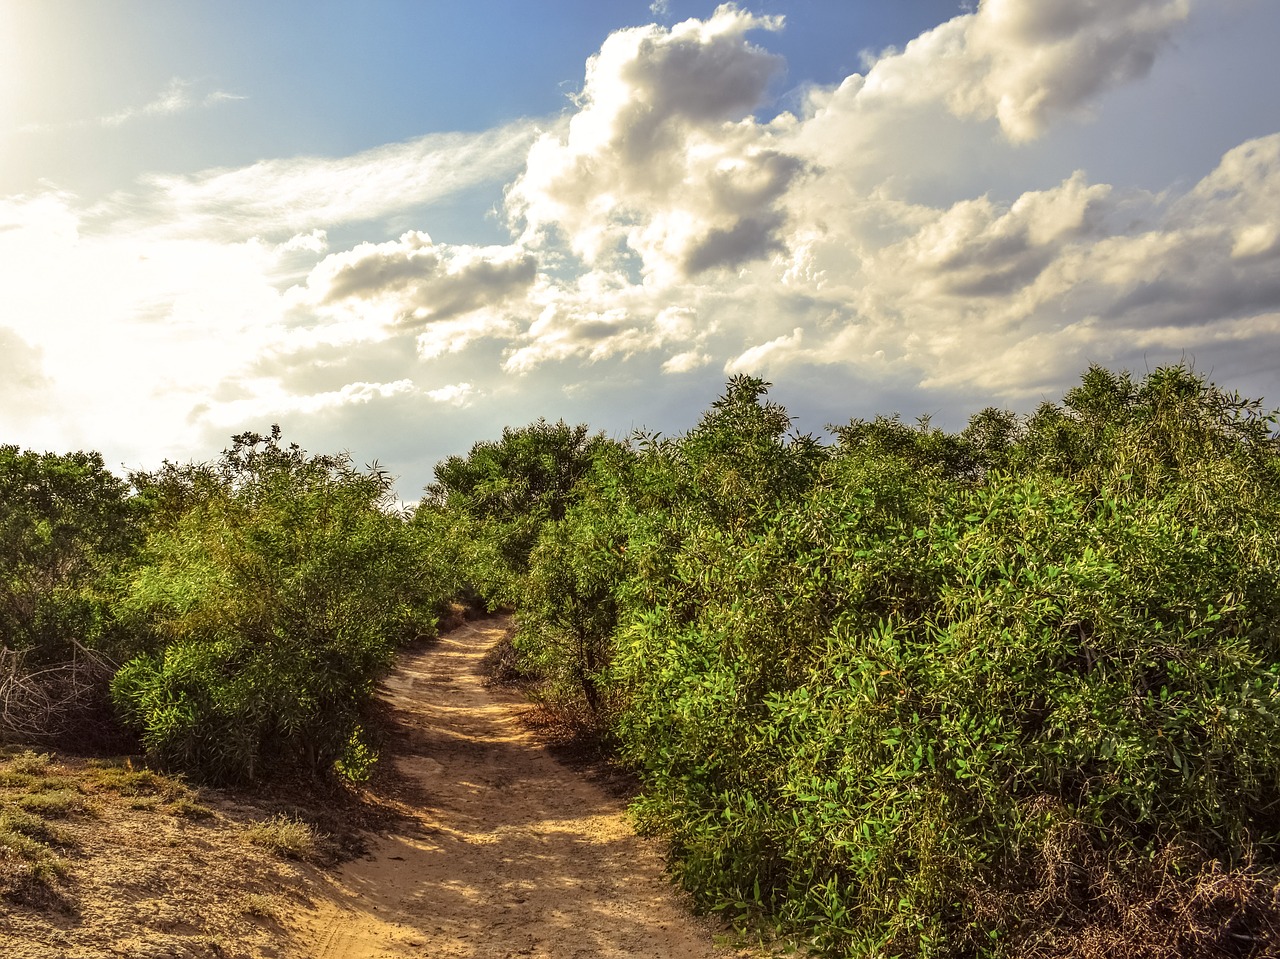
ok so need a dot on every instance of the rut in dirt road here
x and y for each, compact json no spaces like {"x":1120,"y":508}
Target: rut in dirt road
{"x":511,"y":854}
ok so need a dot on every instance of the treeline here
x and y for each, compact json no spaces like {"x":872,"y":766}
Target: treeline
{"x":1007,"y":691}
{"x":899,"y":691}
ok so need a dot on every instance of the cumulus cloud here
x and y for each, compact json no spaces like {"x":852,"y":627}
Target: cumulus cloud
{"x":1215,"y":254}
{"x":663,"y":160}
{"x":447,"y":296}
{"x":1013,"y":298}
{"x":664,"y":169}
{"x":421,"y":281}
{"x":602,"y":314}
{"x":1022,"y":63}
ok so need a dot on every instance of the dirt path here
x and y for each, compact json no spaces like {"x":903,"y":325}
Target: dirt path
{"x":508,"y":854}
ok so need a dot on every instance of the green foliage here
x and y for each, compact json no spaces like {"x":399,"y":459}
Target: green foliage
{"x":873,"y":689}
{"x":489,"y":506}
{"x":568,"y":610}
{"x":65,"y":522}
{"x":273,"y":601}
{"x":914,"y":693}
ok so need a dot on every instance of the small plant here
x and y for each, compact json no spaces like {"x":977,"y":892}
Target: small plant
{"x":123,"y":779}
{"x":259,"y":906}
{"x":56,"y":804}
{"x":20,"y":822}
{"x":26,"y":857}
{"x":286,"y":836}
{"x":30,"y":763}
{"x":187,"y":808}
{"x":33,"y":783}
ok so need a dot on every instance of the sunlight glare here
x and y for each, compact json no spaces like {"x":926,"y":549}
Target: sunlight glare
{"x":10,"y":61}
{"x":6,"y":66}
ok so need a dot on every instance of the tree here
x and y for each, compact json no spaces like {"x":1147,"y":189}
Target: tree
{"x":498,"y":497}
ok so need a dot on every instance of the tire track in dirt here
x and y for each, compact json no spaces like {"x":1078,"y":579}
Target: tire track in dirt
{"x":508,"y":853}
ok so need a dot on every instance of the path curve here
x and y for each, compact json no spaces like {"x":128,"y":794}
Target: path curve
{"x":509,"y":853}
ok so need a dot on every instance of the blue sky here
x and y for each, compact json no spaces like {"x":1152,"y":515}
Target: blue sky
{"x":395,"y":228}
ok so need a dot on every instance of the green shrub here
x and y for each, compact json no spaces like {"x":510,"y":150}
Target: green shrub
{"x":877,"y":691}
{"x":65,"y":524}
{"x":273,"y":603}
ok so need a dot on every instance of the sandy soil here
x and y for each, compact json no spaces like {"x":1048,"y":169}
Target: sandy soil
{"x":147,"y":884}
{"x":504,"y":851}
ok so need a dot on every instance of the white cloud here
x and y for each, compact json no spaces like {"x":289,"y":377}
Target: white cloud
{"x":455,"y":394}
{"x":176,"y":97}
{"x":285,"y":197}
{"x":423,"y":282}
{"x":267,"y":402}
{"x":1022,"y":63}
{"x":1015,"y":298}
{"x":759,"y":359}
{"x":662,"y":227}
{"x":663,"y":160}
{"x":686,"y":362}
{"x":173,"y":99}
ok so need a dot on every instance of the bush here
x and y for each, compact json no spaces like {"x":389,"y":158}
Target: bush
{"x":67,"y":530}
{"x":931,"y":694}
{"x":272,"y":605}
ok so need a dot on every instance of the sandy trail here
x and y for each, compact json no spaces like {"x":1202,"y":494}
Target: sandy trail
{"x":509,"y":853}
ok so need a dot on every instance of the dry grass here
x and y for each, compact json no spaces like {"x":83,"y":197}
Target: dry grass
{"x":260,"y":906}
{"x":286,"y":836}
{"x":31,"y":846}
{"x":1080,"y":902}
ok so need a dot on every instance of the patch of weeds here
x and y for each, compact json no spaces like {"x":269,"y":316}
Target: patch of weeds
{"x":33,"y":783}
{"x":259,"y":906}
{"x":30,"y":763}
{"x":188,"y":808}
{"x":285,"y":836}
{"x":23,"y":823}
{"x":30,"y":771}
{"x":124,"y":779}
{"x":34,"y":794}
{"x":27,"y":861}
{"x":54,"y":804}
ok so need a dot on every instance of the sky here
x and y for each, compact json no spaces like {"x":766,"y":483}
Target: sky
{"x":395,"y":228}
